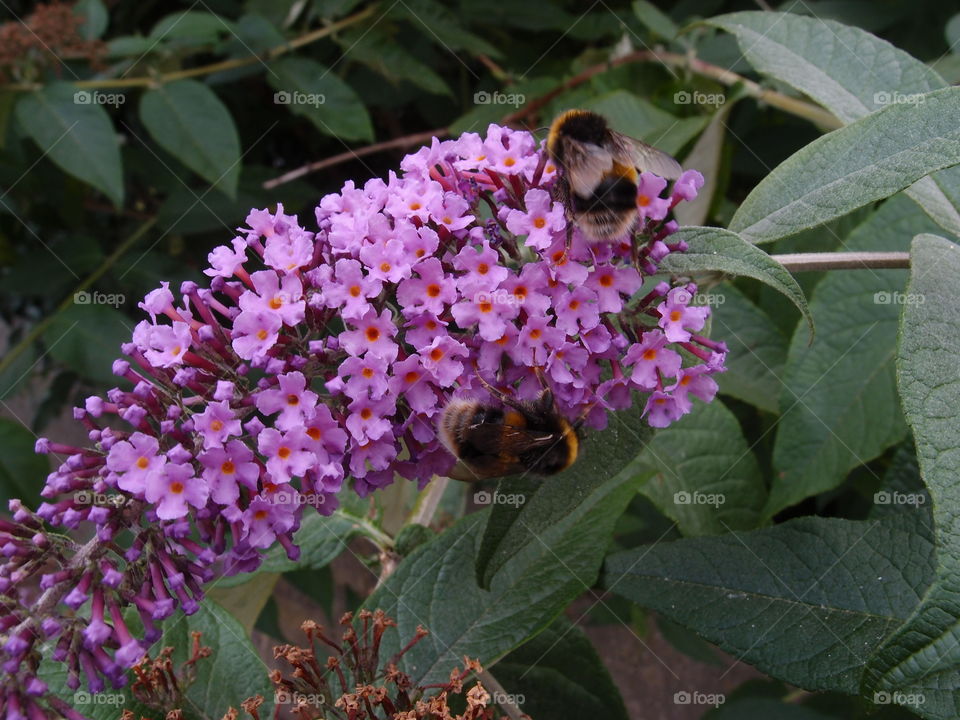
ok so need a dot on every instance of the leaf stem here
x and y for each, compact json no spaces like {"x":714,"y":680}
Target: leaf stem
{"x":428,"y":501}
{"x":503,"y":698}
{"x":806,"y":262}
{"x":38,"y":329}
{"x":154,"y":80}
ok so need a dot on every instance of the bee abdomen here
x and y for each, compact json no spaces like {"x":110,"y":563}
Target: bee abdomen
{"x":613,"y":193}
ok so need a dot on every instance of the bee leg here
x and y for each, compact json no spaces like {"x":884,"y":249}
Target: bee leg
{"x":568,"y":244}
{"x":496,"y":392}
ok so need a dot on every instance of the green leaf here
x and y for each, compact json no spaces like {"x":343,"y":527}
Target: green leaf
{"x":707,"y":480}
{"x":921,"y":659}
{"x":865,"y":161}
{"x":705,"y":156}
{"x":320,"y":539}
{"x":189,"y":121}
{"x":95,"y":18}
{"x":192,"y":27}
{"x":313,"y":91}
{"x":435,"y":586}
{"x":757,"y":348}
{"x":850,"y":72}
{"x":838,"y":401}
{"x":805,"y":601}
{"x":655,"y":19}
{"x":233,"y":673}
{"x":22,"y":471}
{"x":559,"y":675}
{"x":716,"y":250}
{"x":76,"y":134}
{"x":87,"y":339}
{"x":605,"y":457}
{"x":384,"y":55}
{"x":434,"y":23}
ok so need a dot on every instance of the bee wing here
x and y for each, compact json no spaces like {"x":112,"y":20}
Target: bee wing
{"x":645,"y":157}
{"x":510,"y":438}
{"x":586,"y":164}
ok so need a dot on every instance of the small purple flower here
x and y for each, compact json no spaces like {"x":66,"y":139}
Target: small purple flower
{"x":134,"y":461}
{"x":175,"y":487}
{"x":216,"y":424}
{"x":649,"y":203}
{"x":541,"y":221}
{"x":286,"y":454}
{"x":290,"y":398}
{"x":651,"y":359}
{"x":677,"y":317}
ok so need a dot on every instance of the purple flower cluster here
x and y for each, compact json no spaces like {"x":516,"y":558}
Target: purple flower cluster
{"x":316,"y":356}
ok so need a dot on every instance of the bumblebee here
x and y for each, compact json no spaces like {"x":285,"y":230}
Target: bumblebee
{"x":599,"y":172}
{"x":490,"y":441}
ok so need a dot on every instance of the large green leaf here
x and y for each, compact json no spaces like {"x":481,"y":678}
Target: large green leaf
{"x":604,"y":457}
{"x":839,"y":406}
{"x":868,"y":160}
{"x":850,"y":72}
{"x":805,"y":601}
{"x":757,"y":348}
{"x":713,"y":249}
{"x":189,"y":121}
{"x":87,"y":338}
{"x":707,"y":480}
{"x":923,"y":658}
{"x":309,"y":89}
{"x":233,"y":672}
{"x":436,"y":587}
{"x":558,"y":675}
{"x":75,"y":132}
{"x":22,"y":471}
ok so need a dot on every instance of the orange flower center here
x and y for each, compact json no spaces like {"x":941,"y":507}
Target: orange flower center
{"x":260,"y":514}
{"x":384,"y":267}
{"x":262,"y":334}
{"x":643,"y":201}
{"x":415,"y":206}
{"x":430,"y":325}
{"x":176,"y":488}
{"x":650,"y":354}
{"x":177,"y":350}
{"x":606,"y":280}
{"x":433,"y":290}
{"x":685,"y":380}
{"x":483,"y":268}
{"x":227,"y":468}
{"x":535,"y":334}
{"x":574,"y":304}
{"x":143,"y":463}
{"x":367,"y":372}
{"x":283,"y":453}
{"x":373,"y":334}
{"x":539,"y":223}
{"x":355,"y":290}
{"x":509,"y":162}
{"x":486,"y":306}
{"x":420,"y":252}
{"x":412,"y":376}
{"x":436,"y":354}
{"x":293,"y":400}
{"x":366,"y":413}
{"x":276,"y":303}
{"x":216,"y":426}
{"x":314,"y":433}
{"x":675,"y":315}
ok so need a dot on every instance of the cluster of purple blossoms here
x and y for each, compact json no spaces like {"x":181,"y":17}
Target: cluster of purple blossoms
{"x":313,"y":357}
